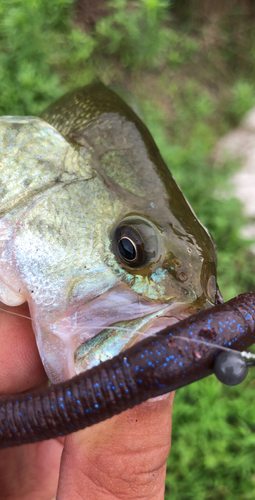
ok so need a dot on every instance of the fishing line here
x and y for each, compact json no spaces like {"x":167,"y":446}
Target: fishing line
{"x":230,"y":367}
{"x":197,"y":340}
{"x":16,"y":314}
{"x":245,"y":354}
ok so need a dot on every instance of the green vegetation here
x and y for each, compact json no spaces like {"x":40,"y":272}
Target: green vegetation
{"x":212,"y":454}
{"x":194,"y":80}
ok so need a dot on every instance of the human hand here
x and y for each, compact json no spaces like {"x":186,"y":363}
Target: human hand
{"x":121,"y":458}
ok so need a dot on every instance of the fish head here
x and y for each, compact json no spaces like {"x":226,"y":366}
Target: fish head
{"x":102,"y":243}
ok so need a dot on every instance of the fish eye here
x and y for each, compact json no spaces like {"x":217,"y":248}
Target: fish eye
{"x":136,"y":243}
{"x":130,"y":246}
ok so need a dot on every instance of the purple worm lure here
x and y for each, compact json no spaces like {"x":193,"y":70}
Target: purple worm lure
{"x":150,"y":368}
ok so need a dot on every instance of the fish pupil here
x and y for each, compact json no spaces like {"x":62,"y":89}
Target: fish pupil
{"x":135,"y":243}
{"x":127,"y":249}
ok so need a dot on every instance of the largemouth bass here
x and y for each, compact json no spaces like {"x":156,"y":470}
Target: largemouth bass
{"x":95,"y":233}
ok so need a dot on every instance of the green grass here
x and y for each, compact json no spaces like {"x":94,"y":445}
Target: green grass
{"x":213,"y":442}
{"x":193,"y":82}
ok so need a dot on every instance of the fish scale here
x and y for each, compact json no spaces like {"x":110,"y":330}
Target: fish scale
{"x":73,"y":183}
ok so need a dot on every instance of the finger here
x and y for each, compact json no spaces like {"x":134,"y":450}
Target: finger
{"x":29,"y":471}
{"x":20,"y":363}
{"x":126,"y":453}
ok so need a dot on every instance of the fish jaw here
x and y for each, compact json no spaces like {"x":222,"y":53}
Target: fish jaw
{"x":101,"y":328}
{"x":59,"y":337}
{"x":120,"y":336}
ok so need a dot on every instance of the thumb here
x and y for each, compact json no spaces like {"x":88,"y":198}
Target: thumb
{"x":124,"y":457}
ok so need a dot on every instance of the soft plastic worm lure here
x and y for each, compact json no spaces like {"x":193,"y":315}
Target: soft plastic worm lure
{"x":152,"y":367}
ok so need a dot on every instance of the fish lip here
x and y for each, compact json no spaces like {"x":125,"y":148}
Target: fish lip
{"x":60,"y":339}
{"x":96,"y":349}
{"x":109,"y":330}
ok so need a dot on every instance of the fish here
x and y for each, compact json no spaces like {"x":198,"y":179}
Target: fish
{"x":152,"y":367}
{"x":95,"y":234}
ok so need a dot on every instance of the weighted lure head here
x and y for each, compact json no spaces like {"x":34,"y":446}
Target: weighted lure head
{"x":230,"y":368}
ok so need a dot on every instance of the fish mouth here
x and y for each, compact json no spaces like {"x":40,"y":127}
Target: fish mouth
{"x":101,"y":328}
{"x":120,"y":336}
